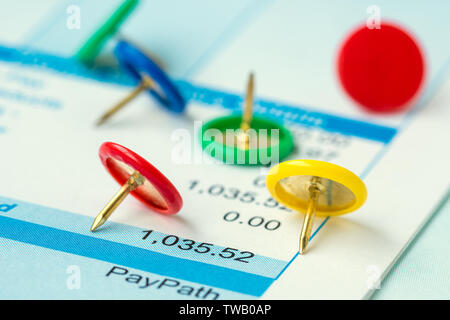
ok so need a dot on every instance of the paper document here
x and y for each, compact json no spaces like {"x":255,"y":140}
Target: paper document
{"x":53,"y":185}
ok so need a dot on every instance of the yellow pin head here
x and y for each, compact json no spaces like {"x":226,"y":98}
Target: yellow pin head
{"x":315,"y":187}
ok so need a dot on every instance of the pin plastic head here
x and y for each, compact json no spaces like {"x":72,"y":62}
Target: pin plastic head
{"x":382,"y":69}
{"x":315,"y":187}
{"x":139,"y":64}
{"x":341,"y":190}
{"x":264,"y":143}
{"x":139,"y":178}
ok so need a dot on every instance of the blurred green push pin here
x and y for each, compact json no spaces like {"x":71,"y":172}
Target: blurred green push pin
{"x":246,"y":139}
{"x":92,"y":47}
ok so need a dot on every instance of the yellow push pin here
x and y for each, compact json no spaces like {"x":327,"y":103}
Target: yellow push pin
{"x":315,"y":187}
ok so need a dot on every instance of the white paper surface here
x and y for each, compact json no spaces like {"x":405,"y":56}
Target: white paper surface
{"x":49,"y":157}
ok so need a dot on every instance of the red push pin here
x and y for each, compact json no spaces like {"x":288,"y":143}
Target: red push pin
{"x":140,"y":178}
{"x":381,"y":69}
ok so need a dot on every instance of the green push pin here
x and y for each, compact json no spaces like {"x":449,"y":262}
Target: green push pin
{"x":246,"y":139}
{"x":91,"y":48}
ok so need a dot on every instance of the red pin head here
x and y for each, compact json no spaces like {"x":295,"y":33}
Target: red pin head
{"x":381,"y":69}
{"x":138,"y":177}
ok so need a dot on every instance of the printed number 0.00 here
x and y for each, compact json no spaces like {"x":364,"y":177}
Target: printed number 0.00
{"x":256,"y":221}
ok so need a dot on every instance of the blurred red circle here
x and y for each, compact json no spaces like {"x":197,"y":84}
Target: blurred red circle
{"x":381,"y":69}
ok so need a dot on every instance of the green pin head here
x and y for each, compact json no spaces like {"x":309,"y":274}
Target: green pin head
{"x":266,"y":141}
{"x":244,"y":139}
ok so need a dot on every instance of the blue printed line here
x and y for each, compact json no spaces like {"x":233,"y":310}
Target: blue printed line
{"x":432,"y":89}
{"x":300,"y":115}
{"x":30,"y":99}
{"x":287,"y":265}
{"x":290,"y":113}
{"x":297,"y":254}
{"x":133,"y":257}
{"x":28,"y":57}
{"x":378,"y":156}
{"x":319,"y":227}
{"x":371,"y":165}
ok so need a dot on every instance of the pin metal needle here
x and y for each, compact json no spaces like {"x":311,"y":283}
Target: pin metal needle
{"x":133,"y":182}
{"x":248,"y":106}
{"x":243,"y":139}
{"x":305,"y":234}
{"x":145,"y":84}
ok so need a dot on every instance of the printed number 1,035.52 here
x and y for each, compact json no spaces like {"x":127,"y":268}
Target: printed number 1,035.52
{"x":199,"y":247}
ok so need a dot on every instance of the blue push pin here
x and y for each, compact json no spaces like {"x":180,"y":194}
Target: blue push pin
{"x":151,"y":78}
